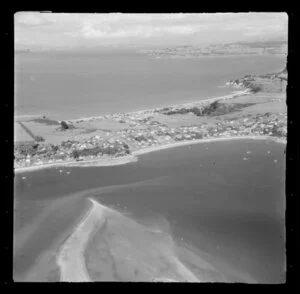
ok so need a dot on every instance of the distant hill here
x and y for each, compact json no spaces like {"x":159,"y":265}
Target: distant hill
{"x":241,"y":48}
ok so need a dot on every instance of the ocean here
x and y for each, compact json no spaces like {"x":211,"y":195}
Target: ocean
{"x":69,"y":86}
{"x":205,"y":194}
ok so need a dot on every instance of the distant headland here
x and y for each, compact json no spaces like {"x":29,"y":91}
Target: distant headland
{"x":257,"y":110}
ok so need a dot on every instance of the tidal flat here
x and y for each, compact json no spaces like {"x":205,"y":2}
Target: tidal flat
{"x":203,"y":196}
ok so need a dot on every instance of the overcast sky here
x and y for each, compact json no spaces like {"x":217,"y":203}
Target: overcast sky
{"x":57,"y":30}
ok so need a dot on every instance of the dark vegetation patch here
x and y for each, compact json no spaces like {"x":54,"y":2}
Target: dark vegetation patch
{"x":225,"y":108}
{"x":26,"y":147}
{"x":39,"y":139}
{"x":46,"y":121}
{"x":214,"y":109}
{"x":101,"y":150}
{"x":142,"y":138}
{"x":87,"y":131}
{"x":255,"y":88}
{"x":64,"y":126}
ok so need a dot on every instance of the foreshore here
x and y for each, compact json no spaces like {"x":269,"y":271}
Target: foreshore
{"x":133,"y":157}
{"x":232,"y":95}
{"x":84,"y":163}
{"x":71,"y":256}
{"x":256,"y":111}
{"x":185,"y":143}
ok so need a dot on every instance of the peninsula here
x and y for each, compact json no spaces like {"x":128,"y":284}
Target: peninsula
{"x":241,"y":48}
{"x":257,"y":109}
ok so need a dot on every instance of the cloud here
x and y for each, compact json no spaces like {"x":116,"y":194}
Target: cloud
{"x":58,"y":29}
{"x":92,"y":30}
{"x":31,"y":19}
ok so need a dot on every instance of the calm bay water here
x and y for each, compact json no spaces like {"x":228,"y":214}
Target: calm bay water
{"x":68,"y":86}
{"x":205,"y":194}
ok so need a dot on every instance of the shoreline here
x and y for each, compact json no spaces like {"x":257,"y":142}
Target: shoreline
{"x":70,"y":258}
{"x":134,"y":155}
{"x":84,"y":163}
{"x":208,"y":140}
{"x":234,"y":94}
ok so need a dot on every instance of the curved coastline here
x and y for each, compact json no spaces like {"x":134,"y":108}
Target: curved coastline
{"x":83,"y":275}
{"x":185,"y":143}
{"x":70,"y":258}
{"x":134,"y":156}
{"x":234,"y":94}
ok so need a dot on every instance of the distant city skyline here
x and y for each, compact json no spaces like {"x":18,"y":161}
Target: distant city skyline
{"x":42,"y":31}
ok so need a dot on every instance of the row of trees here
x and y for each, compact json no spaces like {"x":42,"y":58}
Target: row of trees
{"x":101,"y":150}
{"x":195,"y":110}
{"x":26,"y":148}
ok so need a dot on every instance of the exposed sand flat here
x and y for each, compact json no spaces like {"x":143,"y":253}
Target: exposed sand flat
{"x":70,"y":258}
{"x":133,"y":251}
{"x":185,"y":272}
{"x":123,"y":250}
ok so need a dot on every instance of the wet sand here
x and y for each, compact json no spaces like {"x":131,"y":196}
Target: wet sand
{"x":37,"y":242}
{"x":121,"y":243}
{"x":70,"y":258}
{"x":108,"y":246}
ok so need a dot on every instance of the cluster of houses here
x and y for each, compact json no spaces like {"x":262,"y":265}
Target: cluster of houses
{"x":93,"y":148}
{"x":253,"y":125}
{"x":121,"y":142}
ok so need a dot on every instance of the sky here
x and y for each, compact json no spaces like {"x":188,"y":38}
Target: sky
{"x":50,"y":31}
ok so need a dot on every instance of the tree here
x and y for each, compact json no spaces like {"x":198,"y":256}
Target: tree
{"x":196,"y":111}
{"x":75,"y":154}
{"x":39,"y":139}
{"x":54,"y":148}
{"x":214,"y":105}
{"x":64,"y":125}
{"x":255,"y":88}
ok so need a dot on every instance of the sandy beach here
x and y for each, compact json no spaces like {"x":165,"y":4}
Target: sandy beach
{"x":71,"y":257}
{"x":134,"y":248}
{"x":233,"y":95}
{"x":84,"y":163}
{"x":152,"y":149}
{"x":133,"y":156}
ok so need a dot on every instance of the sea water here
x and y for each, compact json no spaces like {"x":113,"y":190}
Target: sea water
{"x":68,"y":86}
{"x":203,"y":195}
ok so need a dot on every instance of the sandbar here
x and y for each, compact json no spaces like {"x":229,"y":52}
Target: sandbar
{"x":122,"y":252}
{"x":70,"y":258}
